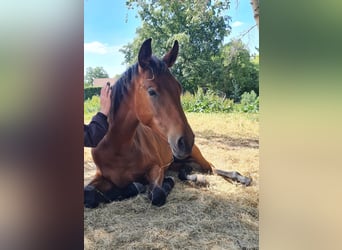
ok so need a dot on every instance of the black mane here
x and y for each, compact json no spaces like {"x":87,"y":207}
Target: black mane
{"x":121,"y":88}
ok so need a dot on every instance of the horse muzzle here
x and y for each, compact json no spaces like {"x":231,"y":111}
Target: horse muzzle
{"x":182,"y":146}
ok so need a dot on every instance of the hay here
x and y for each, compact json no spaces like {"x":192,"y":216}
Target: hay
{"x":221,"y":216}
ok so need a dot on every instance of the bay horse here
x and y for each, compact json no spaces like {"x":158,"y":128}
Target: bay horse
{"x":148,"y":134}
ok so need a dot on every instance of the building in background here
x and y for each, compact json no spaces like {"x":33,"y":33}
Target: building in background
{"x":100,"y":82}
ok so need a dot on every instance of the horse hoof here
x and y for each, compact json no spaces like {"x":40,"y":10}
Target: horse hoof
{"x":90,"y":200}
{"x":168,"y":184}
{"x":158,"y":196}
{"x":242,"y":179}
{"x":247,"y":181}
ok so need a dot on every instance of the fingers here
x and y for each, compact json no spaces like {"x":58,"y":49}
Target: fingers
{"x":106,"y":90}
{"x":109,"y":89}
{"x":105,"y":101}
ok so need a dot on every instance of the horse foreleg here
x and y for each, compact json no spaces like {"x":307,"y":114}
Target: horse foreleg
{"x":102,"y":190}
{"x":94,"y":192}
{"x":160,"y":187}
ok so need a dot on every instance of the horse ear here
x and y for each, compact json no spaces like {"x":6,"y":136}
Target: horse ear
{"x":145,"y":53}
{"x":171,"y":56}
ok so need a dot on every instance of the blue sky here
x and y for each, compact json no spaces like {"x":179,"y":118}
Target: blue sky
{"x":108,"y":25}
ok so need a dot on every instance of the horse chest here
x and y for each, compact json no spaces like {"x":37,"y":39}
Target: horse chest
{"x":151,"y":147}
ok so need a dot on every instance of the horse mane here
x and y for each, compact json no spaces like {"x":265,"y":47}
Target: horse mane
{"x":121,"y":88}
{"x":123,"y":85}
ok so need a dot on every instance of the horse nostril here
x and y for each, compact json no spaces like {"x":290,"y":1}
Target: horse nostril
{"x":181,"y":144}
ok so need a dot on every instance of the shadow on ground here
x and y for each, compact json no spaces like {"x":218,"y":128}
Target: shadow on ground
{"x":222,"y":140}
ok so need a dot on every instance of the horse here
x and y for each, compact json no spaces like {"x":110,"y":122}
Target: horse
{"x":148,"y":134}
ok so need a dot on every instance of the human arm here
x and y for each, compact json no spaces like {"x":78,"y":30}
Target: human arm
{"x":97,"y":128}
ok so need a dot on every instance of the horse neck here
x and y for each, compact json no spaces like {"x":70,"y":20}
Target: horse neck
{"x":123,"y":126}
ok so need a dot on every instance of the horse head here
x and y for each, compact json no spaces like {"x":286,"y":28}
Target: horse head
{"x":157,"y":100}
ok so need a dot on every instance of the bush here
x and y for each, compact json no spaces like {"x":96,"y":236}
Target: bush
{"x":92,"y":105}
{"x":90,"y":92}
{"x":249,"y":102}
{"x":201,"y":102}
{"x":206,"y":102}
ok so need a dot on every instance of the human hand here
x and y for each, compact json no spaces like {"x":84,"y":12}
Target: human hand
{"x":105,"y":99}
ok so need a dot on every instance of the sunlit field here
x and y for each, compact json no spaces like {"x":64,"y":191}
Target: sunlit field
{"x":223,"y":215}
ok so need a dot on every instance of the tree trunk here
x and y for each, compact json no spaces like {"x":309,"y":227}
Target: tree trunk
{"x":255,"y":7}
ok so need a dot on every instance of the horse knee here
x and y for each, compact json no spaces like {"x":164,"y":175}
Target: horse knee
{"x":157,"y":196}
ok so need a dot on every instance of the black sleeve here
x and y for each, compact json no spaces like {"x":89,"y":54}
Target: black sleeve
{"x":95,"y":131}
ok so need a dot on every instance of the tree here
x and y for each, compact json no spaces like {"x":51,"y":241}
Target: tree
{"x":240,"y":73}
{"x":199,"y":27}
{"x":92,"y":73}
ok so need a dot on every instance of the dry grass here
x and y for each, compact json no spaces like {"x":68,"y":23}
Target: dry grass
{"x":221,"y":216}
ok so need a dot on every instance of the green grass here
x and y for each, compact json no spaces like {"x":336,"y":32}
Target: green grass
{"x":234,"y":124}
{"x":238,"y":124}
{"x":88,"y":116}
{"x":91,"y":107}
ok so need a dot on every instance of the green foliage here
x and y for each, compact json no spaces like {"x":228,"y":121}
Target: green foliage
{"x":92,"y":73}
{"x":240,"y":72}
{"x":206,"y":102}
{"x":249,"y":102}
{"x":236,"y":90}
{"x":90,"y":92}
{"x":211,"y":102}
{"x":86,"y":85}
{"x":200,"y":102}
{"x":199,"y":27}
{"x":91,"y":106}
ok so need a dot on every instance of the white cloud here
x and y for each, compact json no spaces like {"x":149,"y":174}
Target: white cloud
{"x":99,"y":48}
{"x":107,"y":56}
{"x":237,"y":24}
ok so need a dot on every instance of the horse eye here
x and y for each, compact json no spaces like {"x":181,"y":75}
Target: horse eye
{"x":152,"y":92}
